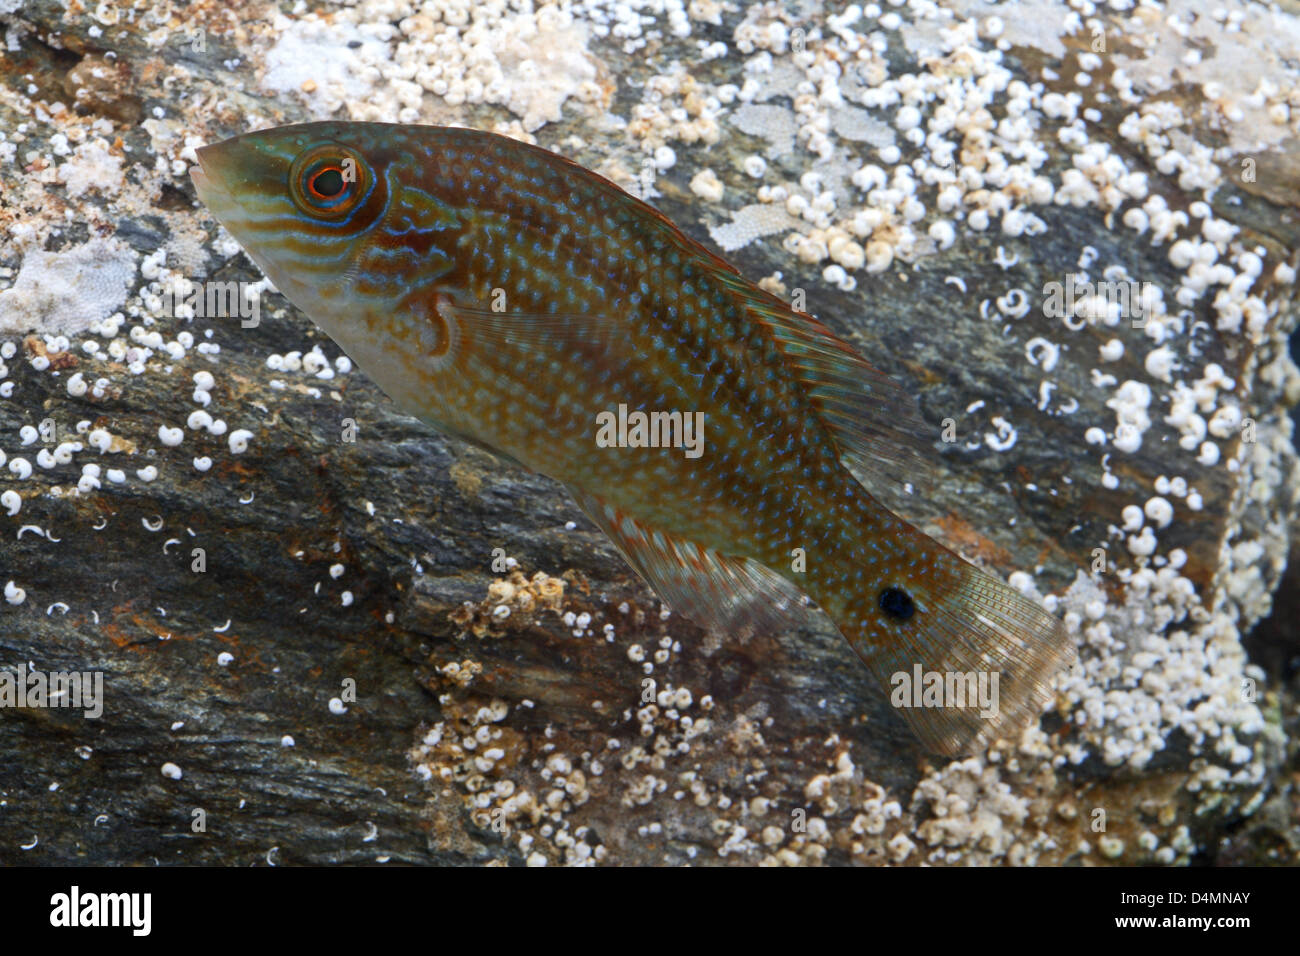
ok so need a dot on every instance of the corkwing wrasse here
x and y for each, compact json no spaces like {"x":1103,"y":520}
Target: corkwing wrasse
{"x":518,"y":301}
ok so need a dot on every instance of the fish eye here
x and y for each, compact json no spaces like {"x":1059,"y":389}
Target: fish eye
{"x":326,"y":183}
{"x":329,"y":181}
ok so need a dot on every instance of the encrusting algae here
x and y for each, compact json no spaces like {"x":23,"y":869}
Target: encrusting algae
{"x":722,"y":440}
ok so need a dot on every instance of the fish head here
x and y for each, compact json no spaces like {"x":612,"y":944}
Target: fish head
{"x":334,"y":215}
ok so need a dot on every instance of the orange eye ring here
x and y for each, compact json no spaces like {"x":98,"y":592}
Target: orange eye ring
{"x":330,"y":181}
{"x":314,"y":187}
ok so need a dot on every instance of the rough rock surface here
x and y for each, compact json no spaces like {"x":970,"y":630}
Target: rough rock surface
{"x":354,"y":676}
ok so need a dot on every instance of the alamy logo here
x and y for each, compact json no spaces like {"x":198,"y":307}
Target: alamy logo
{"x":952,"y":689}
{"x":182,"y":298}
{"x":639,"y":429}
{"x":75,"y":908}
{"x":1105,"y":301}
{"x":76,"y":689}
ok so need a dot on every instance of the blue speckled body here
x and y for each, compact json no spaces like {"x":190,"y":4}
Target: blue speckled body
{"x":510,"y":297}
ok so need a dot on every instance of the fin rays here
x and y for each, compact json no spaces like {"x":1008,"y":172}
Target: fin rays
{"x":973,"y":624}
{"x":724,"y":594}
{"x":875,"y":423}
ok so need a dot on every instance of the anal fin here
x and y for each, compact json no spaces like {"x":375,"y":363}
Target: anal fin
{"x":727,"y":595}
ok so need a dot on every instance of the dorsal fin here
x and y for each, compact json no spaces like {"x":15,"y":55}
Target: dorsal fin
{"x":720,"y":593}
{"x":643,"y":210}
{"x":876,"y":424}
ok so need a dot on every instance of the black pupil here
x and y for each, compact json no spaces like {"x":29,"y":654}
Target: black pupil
{"x":328,"y":182}
{"x":897,"y":603}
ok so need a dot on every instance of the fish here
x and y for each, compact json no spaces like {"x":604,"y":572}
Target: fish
{"x":723,"y":441}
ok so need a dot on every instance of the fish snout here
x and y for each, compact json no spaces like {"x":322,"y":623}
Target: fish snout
{"x":210,"y":175}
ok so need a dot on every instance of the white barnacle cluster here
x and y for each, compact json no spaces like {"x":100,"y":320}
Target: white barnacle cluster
{"x":973,"y":809}
{"x":963,"y":98}
{"x":965,"y":163}
{"x":1150,"y":671}
{"x":92,"y":165}
{"x":1131,"y":402}
{"x":313,"y":363}
{"x":1191,"y":405}
{"x":90,"y":331}
{"x":7,"y":351}
{"x":537,"y":797}
{"x":381,"y":58}
{"x":1168,"y":659}
{"x":839,"y":808}
{"x":472,"y":748}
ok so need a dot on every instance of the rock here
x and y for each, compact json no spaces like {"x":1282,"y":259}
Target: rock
{"x":467,"y":670}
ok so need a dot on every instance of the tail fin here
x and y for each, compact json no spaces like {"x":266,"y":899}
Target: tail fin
{"x":964,"y":658}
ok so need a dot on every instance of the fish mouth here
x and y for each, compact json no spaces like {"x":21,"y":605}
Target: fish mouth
{"x":217,"y":183}
{"x":211,"y":186}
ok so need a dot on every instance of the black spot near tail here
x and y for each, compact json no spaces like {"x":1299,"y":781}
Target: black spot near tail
{"x":897,"y":603}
